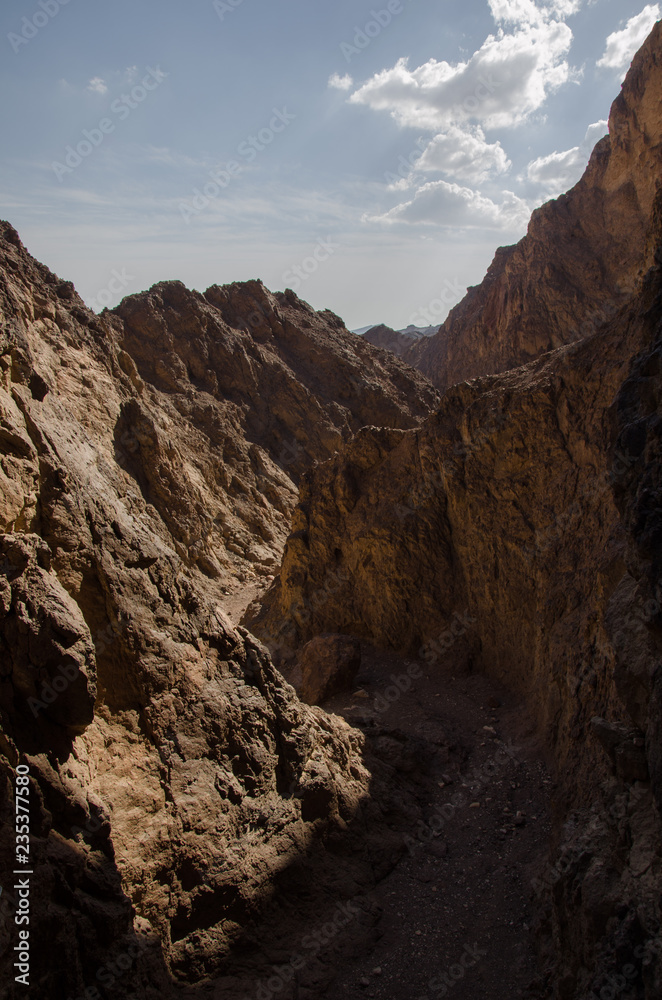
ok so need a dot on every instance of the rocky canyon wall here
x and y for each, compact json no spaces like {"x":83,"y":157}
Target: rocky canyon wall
{"x":147,"y":471}
{"x":581,"y":258}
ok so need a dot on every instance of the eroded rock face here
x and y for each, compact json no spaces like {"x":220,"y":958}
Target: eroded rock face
{"x":636,"y":473}
{"x":297,"y":380}
{"x":235,"y":393}
{"x":489,"y":533}
{"x":48,"y":659}
{"x":581,"y":257}
{"x":176,"y":780}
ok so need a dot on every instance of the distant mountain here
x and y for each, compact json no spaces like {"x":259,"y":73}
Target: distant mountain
{"x":421,"y":331}
{"x":396,"y":341}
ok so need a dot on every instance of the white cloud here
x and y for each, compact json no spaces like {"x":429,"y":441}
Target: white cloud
{"x":338,"y":82}
{"x":442,"y":204}
{"x":97,"y":85}
{"x":463,"y":154}
{"x":515,"y":11}
{"x":622,"y":45}
{"x":566,"y":8}
{"x":558,"y":172}
{"x":527,"y":11}
{"x":500,"y":85}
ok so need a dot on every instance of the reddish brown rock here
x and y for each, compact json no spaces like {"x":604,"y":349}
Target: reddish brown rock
{"x":49,"y":666}
{"x":175,"y":776}
{"x":234,"y":394}
{"x":581,"y":258}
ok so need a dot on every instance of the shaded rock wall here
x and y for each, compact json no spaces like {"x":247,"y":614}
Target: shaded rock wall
{"x":490,"y":538}
{"x":498,"y":508}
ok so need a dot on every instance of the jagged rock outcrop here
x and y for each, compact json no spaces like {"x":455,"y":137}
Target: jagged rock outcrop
{"x":581,"y":258}
{"x":490,"y":537}
{"x":237,"y":391}
{"x":179,"y":791}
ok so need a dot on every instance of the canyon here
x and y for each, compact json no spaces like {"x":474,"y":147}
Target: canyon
{"x":209,"y":500}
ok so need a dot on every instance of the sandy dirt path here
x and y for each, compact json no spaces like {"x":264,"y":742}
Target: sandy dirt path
{"x":456,"y":911}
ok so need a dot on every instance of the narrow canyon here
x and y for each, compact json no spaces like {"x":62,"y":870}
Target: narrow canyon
{"x":334,"y":670}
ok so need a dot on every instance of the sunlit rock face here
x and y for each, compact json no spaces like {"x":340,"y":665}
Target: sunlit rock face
{"x":581,"y":258}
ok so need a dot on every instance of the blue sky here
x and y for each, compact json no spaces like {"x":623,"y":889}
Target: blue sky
{"x":371,"y":156}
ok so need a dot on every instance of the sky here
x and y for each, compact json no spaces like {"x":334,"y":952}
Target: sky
{"x":370,"y":156}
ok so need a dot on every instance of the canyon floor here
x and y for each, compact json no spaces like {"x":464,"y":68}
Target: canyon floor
{"x":463,"y":888}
